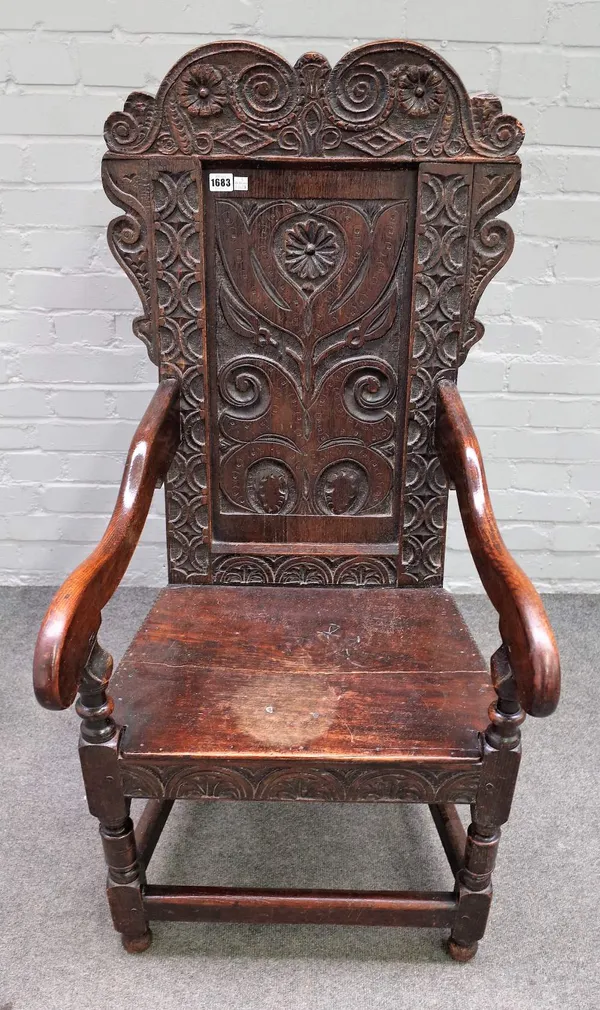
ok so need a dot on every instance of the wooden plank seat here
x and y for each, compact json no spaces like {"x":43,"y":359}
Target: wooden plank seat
{"x":275,"y":676}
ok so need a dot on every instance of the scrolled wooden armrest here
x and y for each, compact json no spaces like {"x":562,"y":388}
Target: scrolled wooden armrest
{"x":69,"y":629}
{"x":524,"y":626}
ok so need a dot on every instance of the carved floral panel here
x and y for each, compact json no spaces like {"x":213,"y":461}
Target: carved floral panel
{"x":311,"y":321}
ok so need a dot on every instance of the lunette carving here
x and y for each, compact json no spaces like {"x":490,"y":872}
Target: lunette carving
{"x":358,"y":572}
{"x":300,"y":782}
{"x":393,"y":99}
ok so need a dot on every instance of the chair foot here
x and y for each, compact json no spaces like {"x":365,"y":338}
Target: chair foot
{"x":460,"y":952}
{"x":137,"y":944}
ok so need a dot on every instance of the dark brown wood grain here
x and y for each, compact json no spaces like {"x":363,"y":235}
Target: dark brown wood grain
{"x":318,"y":674}
{"x":524,"y":626}
{"x":452,"y":833}
{"x":149,"y":827}
{"x":71,"y":623}
{"x":309,"y":290}
{"x":345,"y":908}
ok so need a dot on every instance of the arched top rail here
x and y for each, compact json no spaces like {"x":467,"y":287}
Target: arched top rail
{"x":392,"y":101}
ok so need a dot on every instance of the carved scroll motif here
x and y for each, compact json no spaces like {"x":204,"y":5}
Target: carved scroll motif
{"x":181,"y":328}
{"x":301,"y":782}
{"x":495,"y":189}
{"x":127,"y":186}
{"x":395,"y":100}
{"x":442,"y":249}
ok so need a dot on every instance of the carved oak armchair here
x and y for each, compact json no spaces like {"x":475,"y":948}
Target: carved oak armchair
{"x":309,"y":245}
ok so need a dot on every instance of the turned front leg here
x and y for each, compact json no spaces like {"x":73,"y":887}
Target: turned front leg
{"x":98,"y":754}
{"x":501,"y":758}
{"x":474,"y":890}
{"x":124,"y":885}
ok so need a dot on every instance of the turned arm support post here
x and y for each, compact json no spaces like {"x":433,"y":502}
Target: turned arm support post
{"x":524,"y":627}
{"x":66,"y":643}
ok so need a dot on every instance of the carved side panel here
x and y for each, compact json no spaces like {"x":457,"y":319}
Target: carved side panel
{"x":442,"y":241}
{"x":180,"y":315}
{"x":495,"y":189}
{"x":127,"y":185}
{"x":298,"y":781}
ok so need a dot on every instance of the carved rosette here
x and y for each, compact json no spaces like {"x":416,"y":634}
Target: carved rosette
{"x":440,"y":280}
{"x":371,"y":783}
{"x":179,"y":249}
{"x":395,"y":100}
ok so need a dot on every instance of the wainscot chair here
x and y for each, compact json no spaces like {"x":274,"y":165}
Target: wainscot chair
{"x":309,"y":245}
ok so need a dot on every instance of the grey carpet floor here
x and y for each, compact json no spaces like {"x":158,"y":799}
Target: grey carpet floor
{"x":57,"y":947}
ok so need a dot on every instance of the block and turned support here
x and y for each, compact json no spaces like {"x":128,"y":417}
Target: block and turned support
{"x":501,"y":758}
{"x":98,"y":754}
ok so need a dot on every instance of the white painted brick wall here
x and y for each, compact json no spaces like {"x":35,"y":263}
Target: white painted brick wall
{"x":73,"y":379}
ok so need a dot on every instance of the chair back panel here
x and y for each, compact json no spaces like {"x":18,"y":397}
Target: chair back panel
{"x":309,"y":288}
{"x":309,"y":246}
